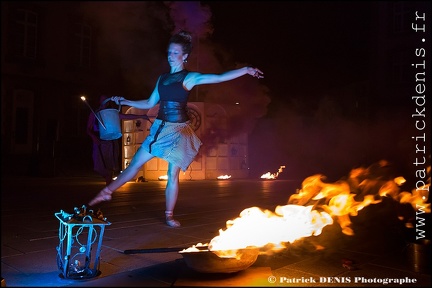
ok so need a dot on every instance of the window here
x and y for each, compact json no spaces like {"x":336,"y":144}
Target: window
{"x":24,"y":33}
{"x":23,"y":113}
{"x":82,"y":43}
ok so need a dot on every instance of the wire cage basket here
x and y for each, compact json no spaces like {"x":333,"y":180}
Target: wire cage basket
{"x":80,"y":242}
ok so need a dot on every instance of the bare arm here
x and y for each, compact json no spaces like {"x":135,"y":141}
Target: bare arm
{"x":140,"y":104}
{"x":195,"y":78}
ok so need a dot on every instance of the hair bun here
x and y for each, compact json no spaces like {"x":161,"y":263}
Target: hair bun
{"x":183,"y":38}
{"x":186,"y":35}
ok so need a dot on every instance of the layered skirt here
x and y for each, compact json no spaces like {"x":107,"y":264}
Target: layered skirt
{"x":176,"y":143}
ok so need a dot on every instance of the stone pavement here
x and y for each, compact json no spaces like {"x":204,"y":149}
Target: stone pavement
{"x":380,"y":251}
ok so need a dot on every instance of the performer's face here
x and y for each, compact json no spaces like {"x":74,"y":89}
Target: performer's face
{"x":175,"y":54}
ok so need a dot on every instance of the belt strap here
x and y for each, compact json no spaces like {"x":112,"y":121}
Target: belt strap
{"x":157,"y":134}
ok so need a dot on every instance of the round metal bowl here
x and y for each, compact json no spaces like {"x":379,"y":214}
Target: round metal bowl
{"x":206,"y":261}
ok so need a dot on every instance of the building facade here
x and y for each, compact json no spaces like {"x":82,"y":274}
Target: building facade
{"x":52,"y":54}
{"x":220,"y":155}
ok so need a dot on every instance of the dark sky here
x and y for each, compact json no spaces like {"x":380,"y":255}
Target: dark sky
{"x":302,"y":47}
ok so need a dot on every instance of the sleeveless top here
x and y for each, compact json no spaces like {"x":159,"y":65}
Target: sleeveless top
{"x":173,"y":97}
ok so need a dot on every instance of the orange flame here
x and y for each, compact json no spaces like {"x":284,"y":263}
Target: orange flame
{"x":258,"y":228}
{"x":163,"y":177}
{"x":316,"y":205}
{"x":269,"y":175}
{"x":222,"y":177}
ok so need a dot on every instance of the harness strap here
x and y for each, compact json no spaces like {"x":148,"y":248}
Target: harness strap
{"x":157,"y":134}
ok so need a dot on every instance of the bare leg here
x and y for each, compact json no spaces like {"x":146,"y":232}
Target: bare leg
{"x":171,"y":194}
{"x":139,"y":159}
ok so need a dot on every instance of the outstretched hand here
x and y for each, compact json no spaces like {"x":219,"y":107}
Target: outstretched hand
{"x":255,"y":72}
{"x":117,"y":99}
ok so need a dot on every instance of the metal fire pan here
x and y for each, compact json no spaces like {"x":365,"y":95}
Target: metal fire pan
{"x":206,"y":261}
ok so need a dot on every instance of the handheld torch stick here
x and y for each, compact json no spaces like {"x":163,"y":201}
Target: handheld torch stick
{"x":152,"y":250}
{"x":97,"y":117}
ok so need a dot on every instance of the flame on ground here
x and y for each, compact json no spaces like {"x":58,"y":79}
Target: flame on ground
{"x":269,"y":175}
{"x":222,"y":177}
{"x":163,"y":177}
{"x":316,"y":205}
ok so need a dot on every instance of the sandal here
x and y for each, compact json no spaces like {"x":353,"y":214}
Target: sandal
{"x":104,"y":195}
{"x":170,"y":221}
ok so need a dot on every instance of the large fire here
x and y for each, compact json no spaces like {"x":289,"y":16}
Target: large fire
{"x":316,"y":205}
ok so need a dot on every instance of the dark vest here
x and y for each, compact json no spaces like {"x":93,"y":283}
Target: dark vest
{"x":173,"y":97}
